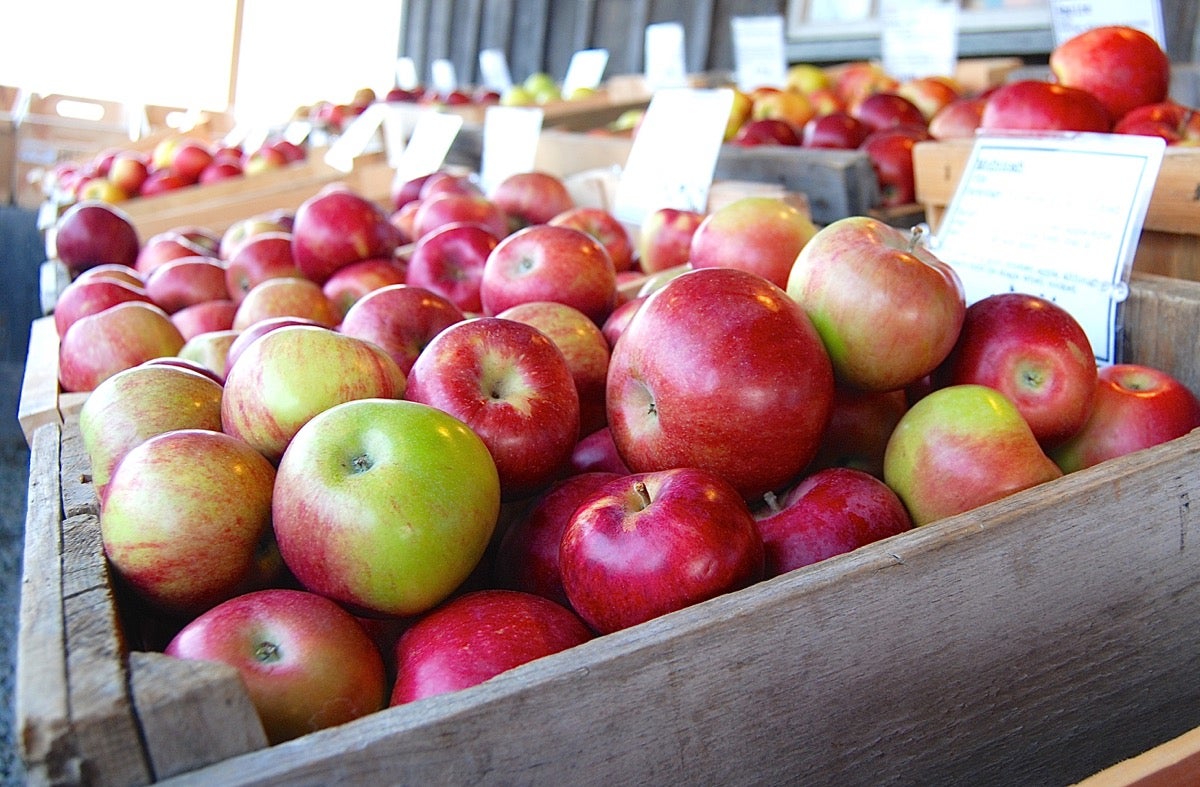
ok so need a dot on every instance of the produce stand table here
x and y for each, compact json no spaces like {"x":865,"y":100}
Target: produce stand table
{"x":1038,"y":639}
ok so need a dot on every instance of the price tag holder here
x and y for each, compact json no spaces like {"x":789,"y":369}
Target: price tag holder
{"x":442,"y":76}
{"x":585,"y":71}
{"x":674,"y":154}
{"x":665,"y":66}
{"x":432,"y":136}
{"x":1058,"y":216}
{"x":1069,"y":18}
{"x":493,"y":69}
{"x":510,"y":141}
{"x":406,"y":73}
{"x":758,"y":51}
{"x":919,"y":39}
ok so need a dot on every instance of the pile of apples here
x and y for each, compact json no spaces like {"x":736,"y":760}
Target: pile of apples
{"x":118,"y":174}
{"x":409,"y":447}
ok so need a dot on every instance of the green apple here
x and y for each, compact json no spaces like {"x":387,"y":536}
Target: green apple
{"x":517,"y":96}
{"x":541,"y":86}
{"x":960,"y":447}
{"x":385,"y":505}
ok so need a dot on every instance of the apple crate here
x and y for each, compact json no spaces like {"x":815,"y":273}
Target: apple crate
{"x":1038,"y":639}
{"x":8,"y":148}
{"x":1168,"y":243}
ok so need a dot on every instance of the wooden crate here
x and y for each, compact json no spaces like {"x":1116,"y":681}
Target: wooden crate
{"x":1038,"y":639}
{"x":8,"y":152}
{"x":1169,"y":243}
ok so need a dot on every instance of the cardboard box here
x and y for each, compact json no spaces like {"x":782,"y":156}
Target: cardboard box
{"x":1038,"y":639}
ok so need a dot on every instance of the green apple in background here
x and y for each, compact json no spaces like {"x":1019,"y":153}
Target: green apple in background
{"x":960,"y":447}
{"x":385,"y":505}
{"x":542,"y":87}
{"x":517,"y":96}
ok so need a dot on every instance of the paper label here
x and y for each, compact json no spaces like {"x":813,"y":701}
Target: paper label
{"x":442,"y":76}
{"x":406,"y":73}
{"x":665,"y":65}
{"x":585,"y":70}
{"x":493,"y":68}
{"x":354,"y":140}
{"x":919,"y":39}
{"x":674,"y":154}
{"x":758,"y":51}
{"x":1057,"y":216}
{"x":510,"y":141}
{"x":1069,"y":18}
{"x":431,"y":139}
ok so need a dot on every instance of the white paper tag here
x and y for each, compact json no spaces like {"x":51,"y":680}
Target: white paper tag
{"x":442,"y":76}
{"x":665,"y":65}
{"x":919,"y":39}
{"x":493,"y":68}
{"x":585,"y":70}
{"x":1058,"y":216}
{"x":431,"y":139}
{"x":758,"y":51}
{"x":674,"y":154}
{"x":355,"y":137}
{"x":510,"y":140}
{"x":1069,"y":18}
{"x":406,"y":73}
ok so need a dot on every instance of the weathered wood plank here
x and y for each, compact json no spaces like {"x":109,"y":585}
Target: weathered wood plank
{"x":1158,"y":314}
{"x":38,"y":404}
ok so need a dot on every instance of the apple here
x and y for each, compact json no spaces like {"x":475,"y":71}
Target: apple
{"x":767,"y":131}
{"x":887,"y":309}
{"x":442,"y":209}
{"x":186,"y":281}
{"x":402,"y":319}
{"x":285,"y":297}
{"x":891,"y":153}
{"x":1036,"y":353}
{"x":665,"y":238}
{"x":597,"y":452}
{"x":175,"y":362}
{"x":290,"y":374}
{"x":242,"y":230}
{"x":827,"y":513}
{"x":616,"y":322}
{"x":404,"y":220}
{"x":787,"y":105}
{"x":531,"y":197}
{"x":1033,"y":105}
{"x":99,"y":345}
{"x":183,"y":516}
{"x":959,"y":119}
{"x":860,"y":424}
{"x":602,"y":225}
{"x":887,"y":110}
{"x":477,"y":636}
{"x":189,"y":159}
{"x":837,"y":130}
{"x":1122,"y":66}
{"x":739,"y":113}
{"x":860,"y":78}
{"x":960,"y":447}
{"x":361,"y":510}
{"x":511,"y":384}
{"x":1174,"y":122}
{"x":100,"y":189}
{"x":929,"y":93}
{"x":338,"y":226}
{"x":442,"y":182}
{"x":137,"y":403}
{"x":261,"y":327}
{"x":705,"y":365}
{"x":93,"y":232}
{"x":291,"y":151}
{"x":214,"y":315}
{"x":1136,"y":406}
{"x":220,"y":169}
{"x":826,"y":100}
{"x":349,"y":283}
{"x":807,"y":77}
{"x":582,"y":345}
{"x":760,"y":235}
{"x":449,"y":261}
{"x":129,"y":170}
{"x":548,"y":263}
{"x":264,"y":255}
{"x":405,"y":190}
{"x":651,"y":543}
{"x":210,"y":349}
{"x":306,"y":663}
{"x":89,"y":295}
{"x":109,"y":271}
{"x":263,"y":159}
{"x":163,"y":247}
{"x":162,"y":181}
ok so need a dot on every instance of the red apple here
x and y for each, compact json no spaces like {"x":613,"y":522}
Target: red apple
{"x":828,"y":513}
{"x":210,"y":349}
{"x":129,"y":170}
{"x":616,"y":322}
{"x":349,"y":283}
{"x":402,"y":319}
{"x":760,"y":235}
{"x":263,"y":255}
{"x":89,"y":295}
{"x":1033,"y":105}
{"x":604,"y":227}
{"x":1122,"y":66}
{"x":190,"y":158}
{"x":186,"y":281}
{"x":1136,"y":406}
{"x":766,"y":131}
{"x":791,"y":106}
{"x":285,"y":297}
{"x":651,"y":543}
{"x":99,"y":345}
{"x":509,"y":383}
{"x":959,"y":119}
{"x":91,"y":233}
{"x":162,"y":247}
{"x":1174,"y":122}
{"x":858,"y":79}
{"x":162,"y":181}
{"x":242,"y":230}
{"x":220,"y":169}
{"x":887,"y":110}
{"x":477,"y":636}
{"x":261,"y":327}
{"x":1036,"y":353}
{"x":406,"y":190}
{"x":929,"y":93}
{"x":442,"y":209}
{"x":547,"y":263}
{"x":665,"y":238}
{"x":706,"y":363}
{"x":306,"y":663}
{"x":449,"y":261}
{"x":337,"y":226}
{"x":263,"y":159}
{"x":404,"y":220}
{"x":838,"y":130}
{"x":532,"y":197}
{"x":441,"y":182}
{"x":890,"y":151}
{"x":860,"y":424}
{"x":110,"y":271}
{"x":213,"y":315}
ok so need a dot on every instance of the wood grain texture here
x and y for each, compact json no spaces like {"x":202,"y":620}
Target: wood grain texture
{"x":38,"y":404}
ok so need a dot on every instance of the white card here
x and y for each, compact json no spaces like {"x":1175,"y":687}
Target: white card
{"x":1069,"y":18}
{"x":406,"y":73}
{"x":919,"y":39}
{"x":493,"y":68}
{"x":510,"y":140}
{"x":758,"y":51}
{"x":674,"y":154}
{"x":665,"y":64}
{"x":442,"y":76}
{"x":1057,"y":216}
{"x":354,"y":140}
{"x":431,"y":139}
{"x":585,"y":70}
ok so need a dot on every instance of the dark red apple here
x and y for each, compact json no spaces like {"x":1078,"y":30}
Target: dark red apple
{"x":1033,"y":105}
{"x":449,"y":261}
{"x":336,"y":227}
{"x":837,"y":130}
{"x":402,"y":319}
{"x":91,"y":233}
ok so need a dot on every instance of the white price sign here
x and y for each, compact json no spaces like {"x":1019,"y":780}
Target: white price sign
{"x":1058,"y":216}
{"x":1069,"y":18}
{"x":443,"y":76}
{"x":758,"y":51}
{"x":585,"y":70}
{"x":493,"y":68}
{"x":431,"y":139}
{"x":510,"y":141}
{"x":665,"y":65}
{"x":919,"y":39}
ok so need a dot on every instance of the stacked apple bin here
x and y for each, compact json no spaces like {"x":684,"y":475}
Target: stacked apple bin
{"x":1031,"y":636}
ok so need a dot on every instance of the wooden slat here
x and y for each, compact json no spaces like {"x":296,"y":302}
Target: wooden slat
{"x":38,"y":405}
{"x":1169,"y":764}
{"x":1159,"y":314}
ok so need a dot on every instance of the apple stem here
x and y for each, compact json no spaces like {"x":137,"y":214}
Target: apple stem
{"x":267,"y":652}
{"x":642,"y":492}
{"x":772,"y":502}
{"x":914,"y":238}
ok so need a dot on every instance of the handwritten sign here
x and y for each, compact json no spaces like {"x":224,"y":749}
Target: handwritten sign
{"x":919,"y":39}
{"x":1069,"y":18}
